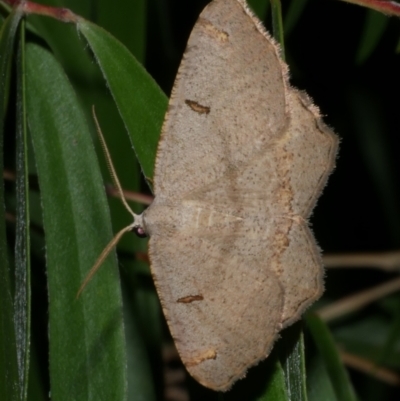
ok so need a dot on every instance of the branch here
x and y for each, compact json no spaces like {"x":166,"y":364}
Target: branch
{"x":357,"y":301}
{"x":383,"y":6}
{"x":388,"y":261}
{"x":28,"y":7}
{"x":369,"y":368}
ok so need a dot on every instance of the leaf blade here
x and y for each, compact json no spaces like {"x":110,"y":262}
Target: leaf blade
{"x":22,"y":296}
{"x":293,"y":362}
{"x":87,"y":345}
{"x":326,"y":346}
{"x":9,"y":379}
{"x":141,"y":103}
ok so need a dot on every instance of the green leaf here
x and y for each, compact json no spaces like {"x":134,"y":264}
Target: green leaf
{"x":9,"y":378}
{"x":277,"y":25}
{"x":326,"y":346}
{"x":22,"y":296}
{"x":293,"y":14}
{"x":264,"y":382}
{"x":259,"y":7}
{"x":375,"y":338}
{"x":276,"y":387}
{"x":128,"y":24}
{"x":374,"y":28}
{"x":391,"y":346}
{"x":140,"y":379}
{"x":89,"y":84}
{"x":292,"y":357}
{"x":140,"y":101}
{"x":87,"y":347}
{"x":319,"y":385}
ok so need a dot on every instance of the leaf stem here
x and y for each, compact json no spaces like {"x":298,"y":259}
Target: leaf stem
{"x":357,"y":301}
{"x":59,"y":13}
{"x":389,"y":261}
{"x":370,"y":368}
{"x":383,"y":6}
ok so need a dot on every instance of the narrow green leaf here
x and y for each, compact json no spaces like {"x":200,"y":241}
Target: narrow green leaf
{"x":374,"y":337}
{"x":293,"y":14}
{"x":319,"y":385}
{"x":276,"y":387}
{"x":140,"y":378}
{"x":260,"y":7}
{"x":277,"y":25}
{"x":64,"y":42}
{"x":140,"y":101}
{"x":128,"y":24}
{"x":87,"y":347}
{"x":374,"y":28}
{"x":22,"y":296}
{"x":9,"y":380}
{"x":326,"y":346}
{"x":89,"y":84}
{"x":7,"y":37}
{"x":292,"y":357}
{"x":391,"y":344}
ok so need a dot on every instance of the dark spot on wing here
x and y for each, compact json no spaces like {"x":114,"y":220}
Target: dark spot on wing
{"x":190,"y":298}
{"x":197,"y":107}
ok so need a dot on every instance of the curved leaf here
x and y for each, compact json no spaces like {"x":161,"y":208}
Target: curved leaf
{"x":293,"y":14}
{"x":276,"y":388}
{"x":87,"y":347}
{"x":326,"y":346}
{"x":140,"y":101}
{"x":128,"y":24}
{"x":374,"y":29}
{"x":292,"y":358}
{"x":319,"y":384}
{"x":9,"y":378}
{"x":22,"y":296}
{"x":260,"y":7}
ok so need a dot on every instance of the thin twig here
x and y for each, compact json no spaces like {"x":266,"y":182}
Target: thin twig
{"x":129,"y":195}
{"x":9,"y":175}
{"x":28,"y":7}
{"x":368,"y":367}
{"x":388,"y":261}
{"x":383,"y":6}
{"x":357,"y":301}
{"x":174,"y":393}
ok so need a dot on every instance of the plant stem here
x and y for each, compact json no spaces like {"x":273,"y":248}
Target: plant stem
{"x":28,"y":7}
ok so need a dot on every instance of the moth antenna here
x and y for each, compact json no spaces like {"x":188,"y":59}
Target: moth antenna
{"x":110,"y":166}
{"x":137,"y":219}
{"x":103,"y":256}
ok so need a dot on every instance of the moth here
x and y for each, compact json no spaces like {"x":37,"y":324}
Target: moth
{"x":242,"y":160}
